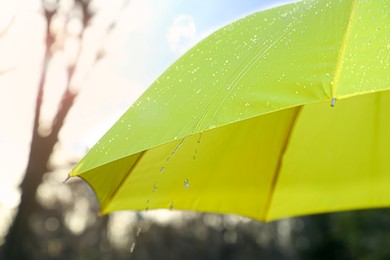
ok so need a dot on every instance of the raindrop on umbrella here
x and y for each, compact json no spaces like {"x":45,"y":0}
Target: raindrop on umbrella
{"x":186,"y":184}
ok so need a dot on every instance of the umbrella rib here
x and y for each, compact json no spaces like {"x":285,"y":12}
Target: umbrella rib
{"x":341,"y":54}
{"x":113,"y":194}
{"x":279,"y":163}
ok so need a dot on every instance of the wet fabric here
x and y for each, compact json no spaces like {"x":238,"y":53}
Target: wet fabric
{"x":282,"y":113}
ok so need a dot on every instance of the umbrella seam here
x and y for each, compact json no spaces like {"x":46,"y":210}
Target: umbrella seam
{"x":341,"y":54}
{"x":279,"y":163}
{"x":113,"y":194}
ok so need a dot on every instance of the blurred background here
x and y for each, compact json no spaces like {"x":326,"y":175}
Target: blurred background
{"x":68,"y":70}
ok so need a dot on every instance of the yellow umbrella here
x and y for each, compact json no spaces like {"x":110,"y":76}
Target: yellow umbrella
{"x":243,"y":122}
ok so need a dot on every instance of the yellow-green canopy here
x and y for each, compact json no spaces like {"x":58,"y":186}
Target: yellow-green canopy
{"x":243,"y":122}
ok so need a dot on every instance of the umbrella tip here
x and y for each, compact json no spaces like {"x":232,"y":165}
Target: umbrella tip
{"x":67,"y":178}
{"x":333,"y":102}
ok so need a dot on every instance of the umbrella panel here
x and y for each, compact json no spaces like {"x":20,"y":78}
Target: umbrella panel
{"x":303,"y":160}
{"x":337,"y":159}
{"x":230,"y":166}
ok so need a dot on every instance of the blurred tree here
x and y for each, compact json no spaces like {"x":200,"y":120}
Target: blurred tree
{"x":65,"y":20}
{"x":359,"y":234}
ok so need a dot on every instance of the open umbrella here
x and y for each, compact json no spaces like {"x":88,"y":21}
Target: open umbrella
{"x":243,"y":123}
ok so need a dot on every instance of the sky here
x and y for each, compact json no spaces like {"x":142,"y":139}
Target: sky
{"x":149,"y":36}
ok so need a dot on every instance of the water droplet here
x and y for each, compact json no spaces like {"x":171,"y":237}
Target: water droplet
{"x":200,"y":137}
{"x":247,"y":104}
{"x":132,"y":247}
{"x":178,"y":146}
{"x":333,"y":102}
{"x":163,"y":168}
{"x":155,"y":187}
{"x":229,"y":86}
{"x":139,"y":229}
{"x":171,"y":205}
{"x":186,"y":184}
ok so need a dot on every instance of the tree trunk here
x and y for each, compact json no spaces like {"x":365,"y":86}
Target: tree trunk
{"x":19,"y":238}
{"x":19,"y":243}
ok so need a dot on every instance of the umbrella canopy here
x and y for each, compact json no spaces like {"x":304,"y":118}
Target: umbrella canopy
{"x":243,"y":122}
